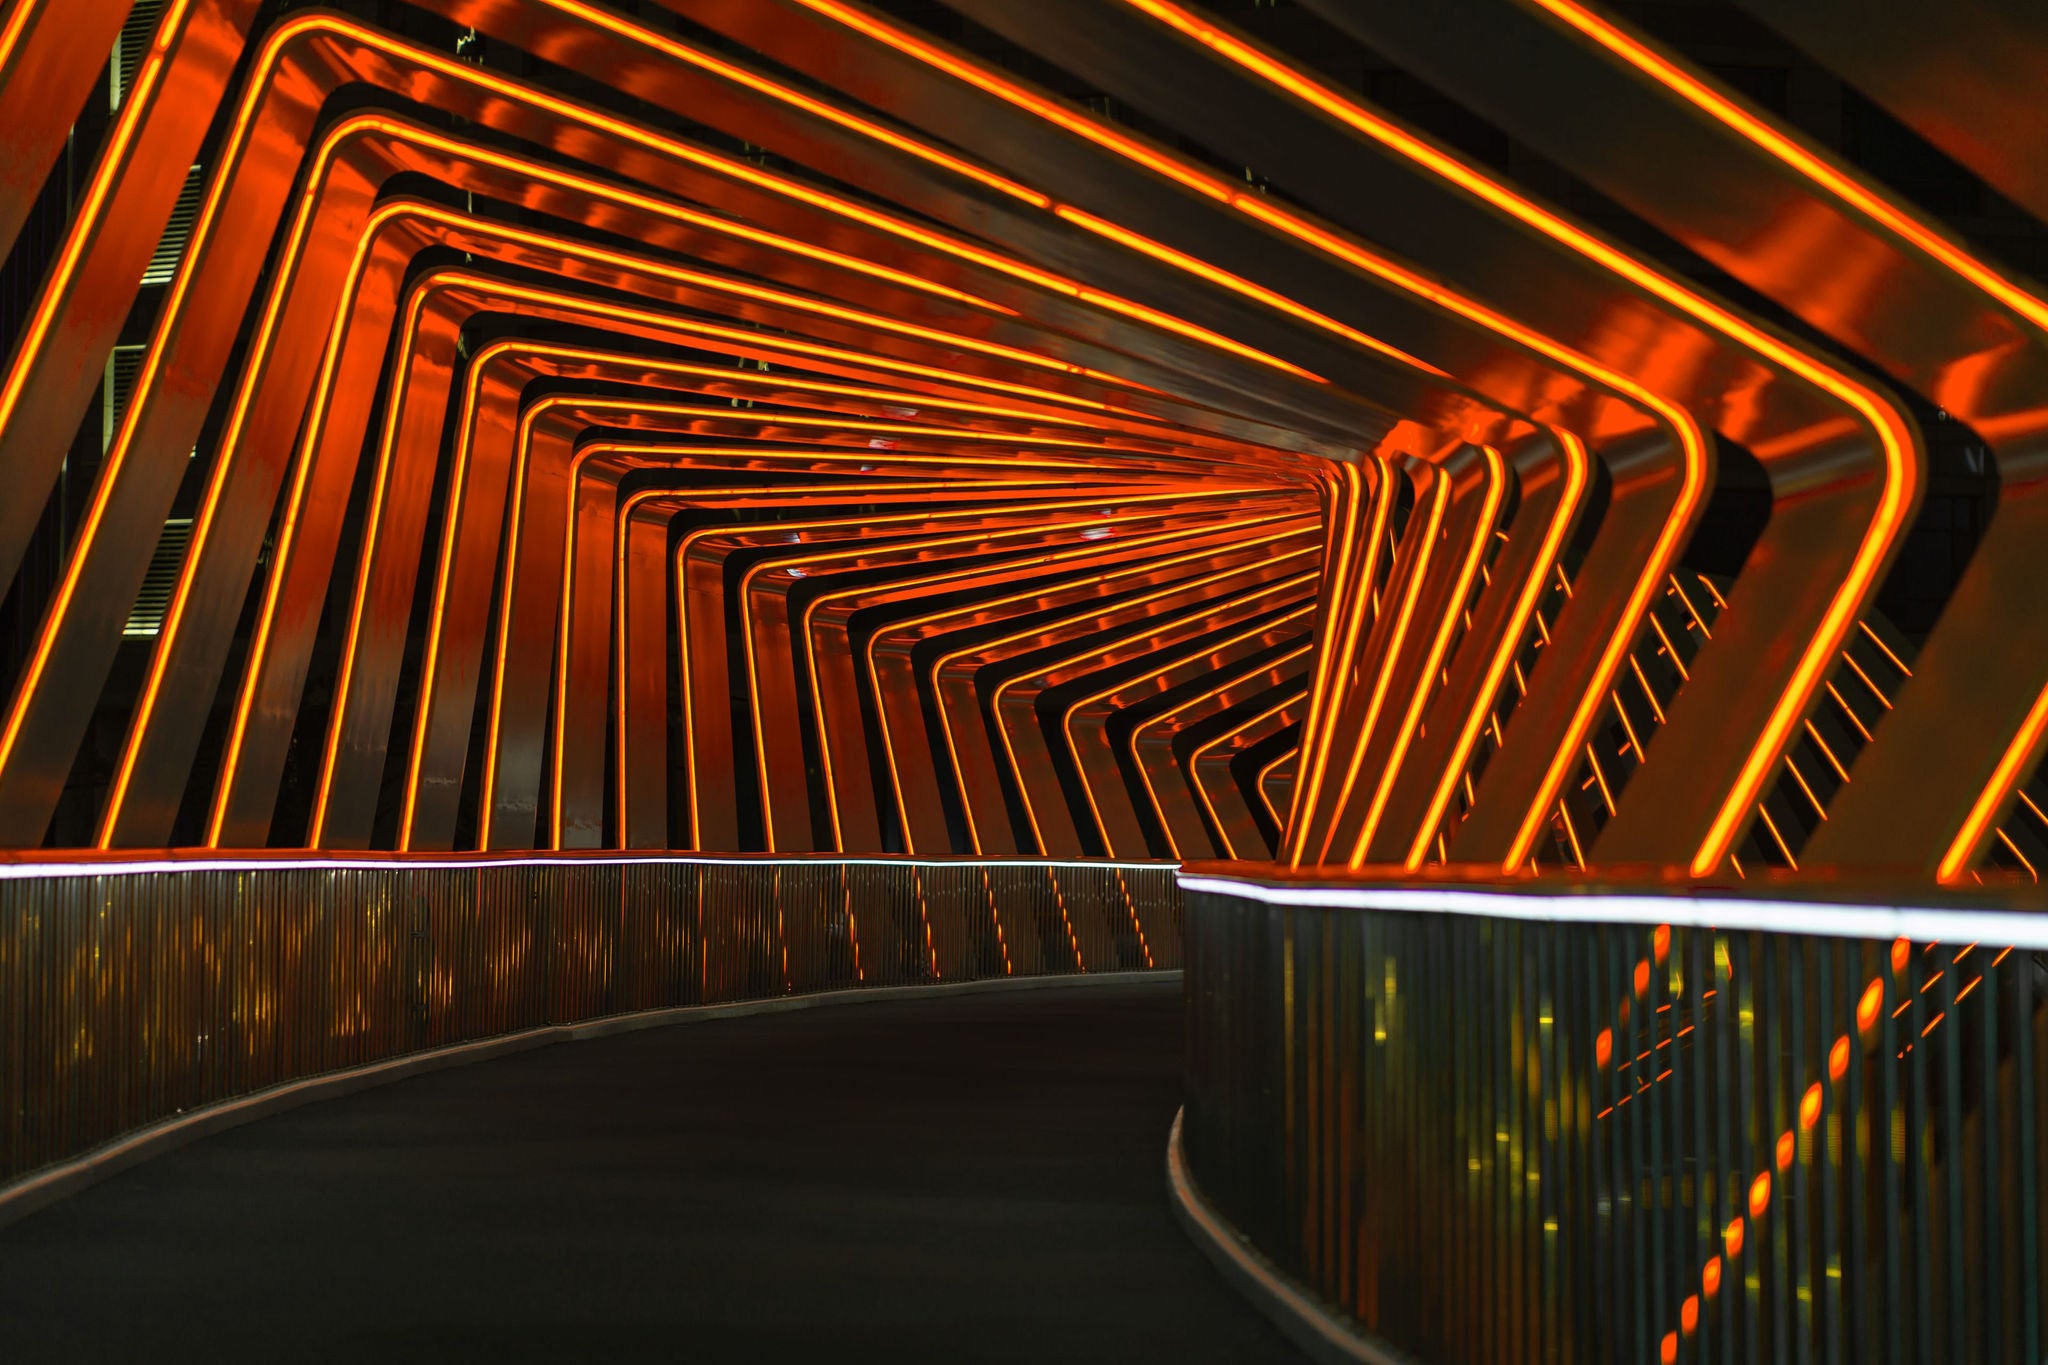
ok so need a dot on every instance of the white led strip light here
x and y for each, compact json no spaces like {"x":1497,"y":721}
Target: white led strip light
{"x":1920,"y":924}
{"x":26,"y":871}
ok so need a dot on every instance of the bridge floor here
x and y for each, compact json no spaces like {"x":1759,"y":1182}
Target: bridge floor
{"x":967,"y":1178}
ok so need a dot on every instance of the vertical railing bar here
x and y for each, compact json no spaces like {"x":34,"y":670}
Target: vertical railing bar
{"x":2031,"y":1094}
{"x":1828,"y":1171}
{"x":1781,"y":1040}
{"x":1645,"y":1144}
{"x":1478,"y":976}
{"x":1674,"y":1220}
{"x":1988,"y":1264}
{"x":1556,"y":1119}
{"x":1890,"y":1172}
{"x":1919,"y":1119}
{"x":1943,"y":1029}
{"x":1657,"y":1218}
{"x":1728,"y":1061}
{"x":1984,"y":1266}
{"x":1754,"y":1141}
{"x":1859,"y":1108}
{"x":1595,"y":1221}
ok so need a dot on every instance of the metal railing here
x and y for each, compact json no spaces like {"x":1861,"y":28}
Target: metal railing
{"x":131,"y":991}
{"x":1523,"y":1123}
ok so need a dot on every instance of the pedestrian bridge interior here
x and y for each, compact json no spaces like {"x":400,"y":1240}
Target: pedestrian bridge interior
{"x":1024,"y":679}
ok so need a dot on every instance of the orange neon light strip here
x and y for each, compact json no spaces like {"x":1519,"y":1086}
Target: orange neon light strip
{"x":1577,"y":474}
{"x":1194,"y":780}
{"x":688,"y":704}
{"x":785,"y":345}
{"x":797,"y":99}
{"x":689,"y":714}
{"x":1428,"y":527}
{"x":939,"y":665}
{"x":1896,"y":437}
{"x":754,"y":571}
{"x":1131,"y":149}
{"x":924,"y":583}
{"x":423,"y":719}
{"x":795,"y":493}
{"x":1202,"y":651}
{"x":701,"y":533}
{"x":1212,"y":608}
{"x":1128,"y":571}
{"x":1180,"y":260}
{"x":1150,"y":513}
{"x":1051,"y":111}
{"x":1339,"y":501}
{"x":780,"y":186}
{"x":1352,"y":583}
{"x":1691,"y":439}
{"x":329,"y":149}
{"x":125,"y":130}
{"x":1439,"y":645}
{"x":1815,"y":167}
{"x":1259,"y":785}
{"x":923,"y":151}
{"x":1043,"y":560}
{"x":451,"y":529}
{"x":1908,"y":227}
{"x":1305,"y":652}
{"x":677,"y":410}
{"x":751,"y":339}
{"x":2005,"y":778}
{"x":134,"y":114}
{"x":17,"y":24}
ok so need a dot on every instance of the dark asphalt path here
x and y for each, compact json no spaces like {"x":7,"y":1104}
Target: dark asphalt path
{"x":975,"y":1178}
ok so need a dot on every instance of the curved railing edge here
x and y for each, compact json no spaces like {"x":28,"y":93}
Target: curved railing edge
{"x":1325,"y":1335}
{"x":1313,"y":1151}
{"x":152,"y":996}
{"x":47,"y":1185}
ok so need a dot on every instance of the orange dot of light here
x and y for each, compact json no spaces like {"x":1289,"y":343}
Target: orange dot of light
{"x":1838,"y":1058}
{"x":1809,"y":1103}
{"x":1660,"y":943}
{"x":1759,"y":1195}
{"x":1902,"y":953}
{"x":1788,"y":1147}
{"x":1868,"y":1007}
{"x":1732,"y":1235}
{"x":1710,"y":1277}
{"x":1670,"y":1348}
{"x":1689,"y":1314}
{"x":1643,"y":977}
{"x":1603,"y":1047}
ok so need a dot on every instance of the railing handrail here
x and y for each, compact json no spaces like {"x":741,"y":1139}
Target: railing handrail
{"x":2005,"y":915}
{"x":137,"y":985}
{"x":17,"y":864}
{"x":1657,"y":1122}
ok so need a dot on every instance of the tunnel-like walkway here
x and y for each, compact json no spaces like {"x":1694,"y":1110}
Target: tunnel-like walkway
{"x":969,"y":1178}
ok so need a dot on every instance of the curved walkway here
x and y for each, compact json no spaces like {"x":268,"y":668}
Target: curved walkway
{"x":969,"y":1178}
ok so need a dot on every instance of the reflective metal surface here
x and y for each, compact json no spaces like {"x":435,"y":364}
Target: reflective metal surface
{"x":464,"y":546}
{"x":1489,"y":436}
{"x":1545,"y":1121}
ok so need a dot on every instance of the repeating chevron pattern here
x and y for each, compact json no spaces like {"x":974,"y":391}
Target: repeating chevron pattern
{"x":783,"y":425}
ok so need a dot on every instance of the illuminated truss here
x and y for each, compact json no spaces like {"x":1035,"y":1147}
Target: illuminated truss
{"x":771,"y":426}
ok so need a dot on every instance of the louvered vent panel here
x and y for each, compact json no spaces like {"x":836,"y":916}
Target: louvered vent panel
{"x":122,"y":367}
{"x":164,"y":265}
{"x":131,"y":47}
{"x":146,"y":618}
